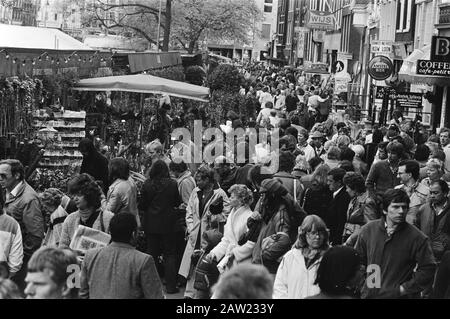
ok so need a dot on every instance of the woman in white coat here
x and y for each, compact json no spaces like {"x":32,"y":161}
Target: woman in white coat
{"x":228,"y":252}
{"x":297,"y":272}
{"x":200,"y":219}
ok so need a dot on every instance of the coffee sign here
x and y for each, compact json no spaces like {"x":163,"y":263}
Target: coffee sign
{"x":380,"y":68}
{"x":433,"y":68}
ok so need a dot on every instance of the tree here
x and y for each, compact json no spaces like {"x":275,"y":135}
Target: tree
{"x":141,"y":17}
{"x":195,"y":20}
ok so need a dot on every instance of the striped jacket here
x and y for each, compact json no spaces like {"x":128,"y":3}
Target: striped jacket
{"x":11,"y":249}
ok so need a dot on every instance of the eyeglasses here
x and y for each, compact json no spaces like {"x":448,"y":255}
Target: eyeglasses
{"x":314,"y":234}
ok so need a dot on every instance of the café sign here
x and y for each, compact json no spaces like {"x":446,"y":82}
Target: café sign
{"x":320,"y":20}
{"x":433,"y":68}
{"x":380,"y":68}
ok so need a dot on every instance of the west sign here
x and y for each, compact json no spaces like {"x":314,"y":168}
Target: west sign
{"x":320,"y":20}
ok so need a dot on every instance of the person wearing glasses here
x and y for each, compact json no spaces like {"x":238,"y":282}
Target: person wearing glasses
{"x":409,"y":174}
{"x":296,"y":275}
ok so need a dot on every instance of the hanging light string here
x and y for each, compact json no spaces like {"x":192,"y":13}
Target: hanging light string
{"x":57,"y":60}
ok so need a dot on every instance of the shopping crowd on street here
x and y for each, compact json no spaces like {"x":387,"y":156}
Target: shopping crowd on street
{"x":350,"y":212}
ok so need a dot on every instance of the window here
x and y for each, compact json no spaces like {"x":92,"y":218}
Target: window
{"x":268,"y":1}
{"x":268,"y":9}
{"x":404,"y":13}
{"x":56,"y":17}
{"x":265,"y":32}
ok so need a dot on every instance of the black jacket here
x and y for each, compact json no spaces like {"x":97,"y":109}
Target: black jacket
{"x":96,"y":165}
{"x":158,"y":202}
{"x":337,"y":216}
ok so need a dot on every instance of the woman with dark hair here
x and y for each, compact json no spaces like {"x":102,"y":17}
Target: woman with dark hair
{"x":87,"y":195}
{"x":296,"y":274}
{"x":361,"y":210}
{"x":158,"y":203}
{"x":338,"y":274}
{"x":317,"y":198}
{"x":122,"y":194}
{"x":276,"y":210}
{"x":208,"y":209}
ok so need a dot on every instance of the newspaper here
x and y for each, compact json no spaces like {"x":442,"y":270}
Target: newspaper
{"x":86,"y":238}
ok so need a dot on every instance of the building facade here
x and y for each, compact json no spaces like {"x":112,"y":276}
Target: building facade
{"x":18,"y":12}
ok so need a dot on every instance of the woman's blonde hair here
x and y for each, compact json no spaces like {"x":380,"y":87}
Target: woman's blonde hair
{"x":242,"y":192}
{"x":320,"y":174}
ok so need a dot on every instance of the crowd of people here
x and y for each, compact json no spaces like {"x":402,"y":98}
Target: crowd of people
{"x":346,"y":215}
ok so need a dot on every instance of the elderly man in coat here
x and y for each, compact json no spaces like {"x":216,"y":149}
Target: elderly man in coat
{"x":22,"y":203}
{"x":199,"y":219}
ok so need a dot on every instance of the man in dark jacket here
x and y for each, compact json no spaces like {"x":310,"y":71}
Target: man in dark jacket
{"x":119,"y":271}
{"x":433,"y":218}
{"x":337,"y":212}
{"x":94,"y":163}
{"x":22,"y":203}
{"x":396,"y":256}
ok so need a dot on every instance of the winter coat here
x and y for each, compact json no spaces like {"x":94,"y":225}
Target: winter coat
{"x":158,"y":202}
{"x":11,"y":249}
{"x":73,"y":221}
{"x":381,"y":178}
{"x":235,"y":229}
{"x":53,"y":235}
{"x":96,"y":165}
{"x":361,"y":210}
{"x":292,"y":184}
{"x":293,"y":279}
{"x":196,"y":226}
{"x":336,"y":216}
{"x":276,"y":232}
{"x":440,"y":234}
{"x":122,"y":197}
{"x":405,"y":258}
{"x":119,"y":271}
{"x":25,"y":208}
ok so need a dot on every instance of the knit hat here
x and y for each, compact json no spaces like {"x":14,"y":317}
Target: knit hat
{"x":273,"y":186}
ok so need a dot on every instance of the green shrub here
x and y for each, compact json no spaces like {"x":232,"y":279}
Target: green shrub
{"x":226,"y":78}
{"x":175,"y":73}
{"x":195,"y":75}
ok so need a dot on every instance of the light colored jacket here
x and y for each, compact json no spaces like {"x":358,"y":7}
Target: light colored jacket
{"x":235,"y":228}
{"x":73,"y":221}
{"x":293,"y":279}
{"x":11,"y":249}
{"x":25,"y":208}
{"x":194,"y":224}
{"x":122,"y":197}
{"x":53,"y":235}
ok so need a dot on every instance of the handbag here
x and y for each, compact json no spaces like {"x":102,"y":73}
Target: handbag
{"x":206,"y":273}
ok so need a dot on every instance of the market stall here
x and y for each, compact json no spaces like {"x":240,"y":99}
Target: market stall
{"x":144,"y":84}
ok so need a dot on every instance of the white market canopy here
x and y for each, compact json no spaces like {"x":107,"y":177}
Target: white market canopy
{"x":144,"y":83}
{"x":13,"y":36}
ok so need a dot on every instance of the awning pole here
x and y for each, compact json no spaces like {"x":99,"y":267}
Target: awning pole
{"x":142,"y":120}
{"x":444,"y":106}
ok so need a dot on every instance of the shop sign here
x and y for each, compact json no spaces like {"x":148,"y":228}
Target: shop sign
{"x":403,"y":100}
{"x":380,"y":68}
{"x":382,"y":47}
{"x":320,"y":20}
{"x":340,"y":85}
{"x":440,"y":49}
{"x":433,"y":68}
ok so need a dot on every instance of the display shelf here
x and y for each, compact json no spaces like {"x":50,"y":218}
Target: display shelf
{"x":65,"y":130}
